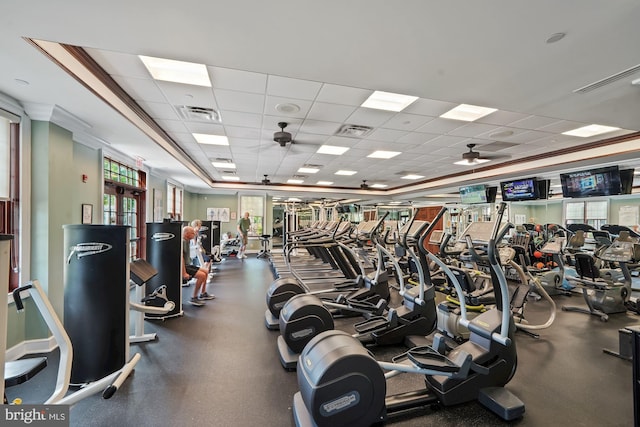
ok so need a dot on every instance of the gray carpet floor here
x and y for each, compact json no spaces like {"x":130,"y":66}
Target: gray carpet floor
{"x":218,"y":366}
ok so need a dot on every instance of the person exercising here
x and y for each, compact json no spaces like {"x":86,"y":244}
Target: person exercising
{"x":190,"y":271}
{"x":243,"y":228}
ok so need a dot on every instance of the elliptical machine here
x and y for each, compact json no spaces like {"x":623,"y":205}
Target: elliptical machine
{"x":364,"y":289}
{"x":341,"y":384}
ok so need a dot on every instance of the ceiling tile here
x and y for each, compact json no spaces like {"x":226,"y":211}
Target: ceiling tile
{"x":273,"y":101}
{"x":141,"y":89}
{"x":534,"y":122}
{"x":172,"y":125}
{"x":237,"y":80}
{"x":440,"y":126}
{"x":369,"y":117}
{"x":389,"y":135}
{"x":119,"y":64}
{"x":159,"y":110}
{"x":235,"y":118}
{"x":180,"y":94}
{"x":330,"y":112}
{"x":239,"y":101}
{"x":292,"y":88}
{"x":407,"y":122}
{"x":343,"y":95}
{"x":237,"y":132}
{"x":416,"y":138}
{"x":472,"y":129}
{"x":319,"y":127}
{"x":429,"y":107}
{"x":208,"y":128}
{"x":501,"y":118}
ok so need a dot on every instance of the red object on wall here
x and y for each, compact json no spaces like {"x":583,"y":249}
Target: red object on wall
{"x":84,"y":177}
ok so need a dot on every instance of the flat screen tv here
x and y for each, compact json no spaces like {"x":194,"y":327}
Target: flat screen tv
{"x":593,"y":182}
{"x":519,"y":190}
{"x":626,"y":181}
{"x":492,"y":192}
{"x":471,"y":194}
{"x":544,"y":185}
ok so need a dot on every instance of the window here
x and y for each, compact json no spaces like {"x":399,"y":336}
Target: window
{"x":594,"y":213}
{"x":255,"y":206}
{"x":174,"y":202}
{"x":10,"y":189}
{"x":123,"y":202}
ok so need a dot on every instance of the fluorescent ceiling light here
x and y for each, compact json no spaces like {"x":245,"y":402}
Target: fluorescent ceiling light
{"x":230,"y":178}
{"x":308,"y":170}
{"x":412,"y":176}
{"x":472,"y":162}
{"x":343,"y":172}
{"x":388,"y":101}
{"x":223,"y":165}
{"x":177,"y":71}
{"x":383,"y":154}
{"x":325,"y":182}
{"x":295,"y":181}
{"x":591,"y":130}
{"x":332,"y":149}
{"x":467,"y":113}
{"x":395,"y":203}
{"x":293,"y":199}
{"x":204,"y":138}
{"x":378,"y":186}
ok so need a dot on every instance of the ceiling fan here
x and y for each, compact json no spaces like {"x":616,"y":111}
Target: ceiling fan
{"x":471,"y":158}
{"x":282,"y":137}
{"x":266,"y":180}
{"x":364,"y":185}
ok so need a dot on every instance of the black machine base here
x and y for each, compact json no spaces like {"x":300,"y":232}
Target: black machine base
{"x":288,"y":358}
{"x":270,"y":321}
{"x":501,"y":402}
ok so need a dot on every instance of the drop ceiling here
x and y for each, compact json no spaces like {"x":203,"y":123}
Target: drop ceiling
{"x":312,"y":65}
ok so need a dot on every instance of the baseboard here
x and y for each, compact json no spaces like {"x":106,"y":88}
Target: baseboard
{"x":38,"y":346}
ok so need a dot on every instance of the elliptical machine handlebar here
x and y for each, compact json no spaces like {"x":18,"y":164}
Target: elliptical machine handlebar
{"x":429,"y":229}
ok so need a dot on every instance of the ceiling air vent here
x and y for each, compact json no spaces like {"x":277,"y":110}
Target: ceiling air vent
{"x":354,"y":131}
{"x":607,"y":80}
{"x":198,"y":114}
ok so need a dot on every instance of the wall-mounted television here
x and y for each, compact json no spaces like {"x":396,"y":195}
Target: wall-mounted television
{"x":492,"y":192}
{"x":471,"y":194}
{"x":626,"y":181}
{"x":544,"y":185}
{"x":519,"y":190}
{"x":593,"y":182}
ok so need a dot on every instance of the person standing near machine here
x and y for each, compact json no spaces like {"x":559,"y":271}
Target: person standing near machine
{"x":243,"y":228}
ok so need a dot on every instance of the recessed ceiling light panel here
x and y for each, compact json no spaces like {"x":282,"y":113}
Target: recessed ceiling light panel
{"x":203,"y":138}
{"x":345,"y":172}
{"x":383,"y":154}
{"x":467,"y":113}
{"x":325,"y":183}
{"x":308,"y":170}
{"x":591,"y":130}
{"x":223,"y":165}
{"x":295,"y":181}
{"x":170,"y":70}
{"x":332,"y":149}
{"x":388,"y":101}
{"x":412,"y":176}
